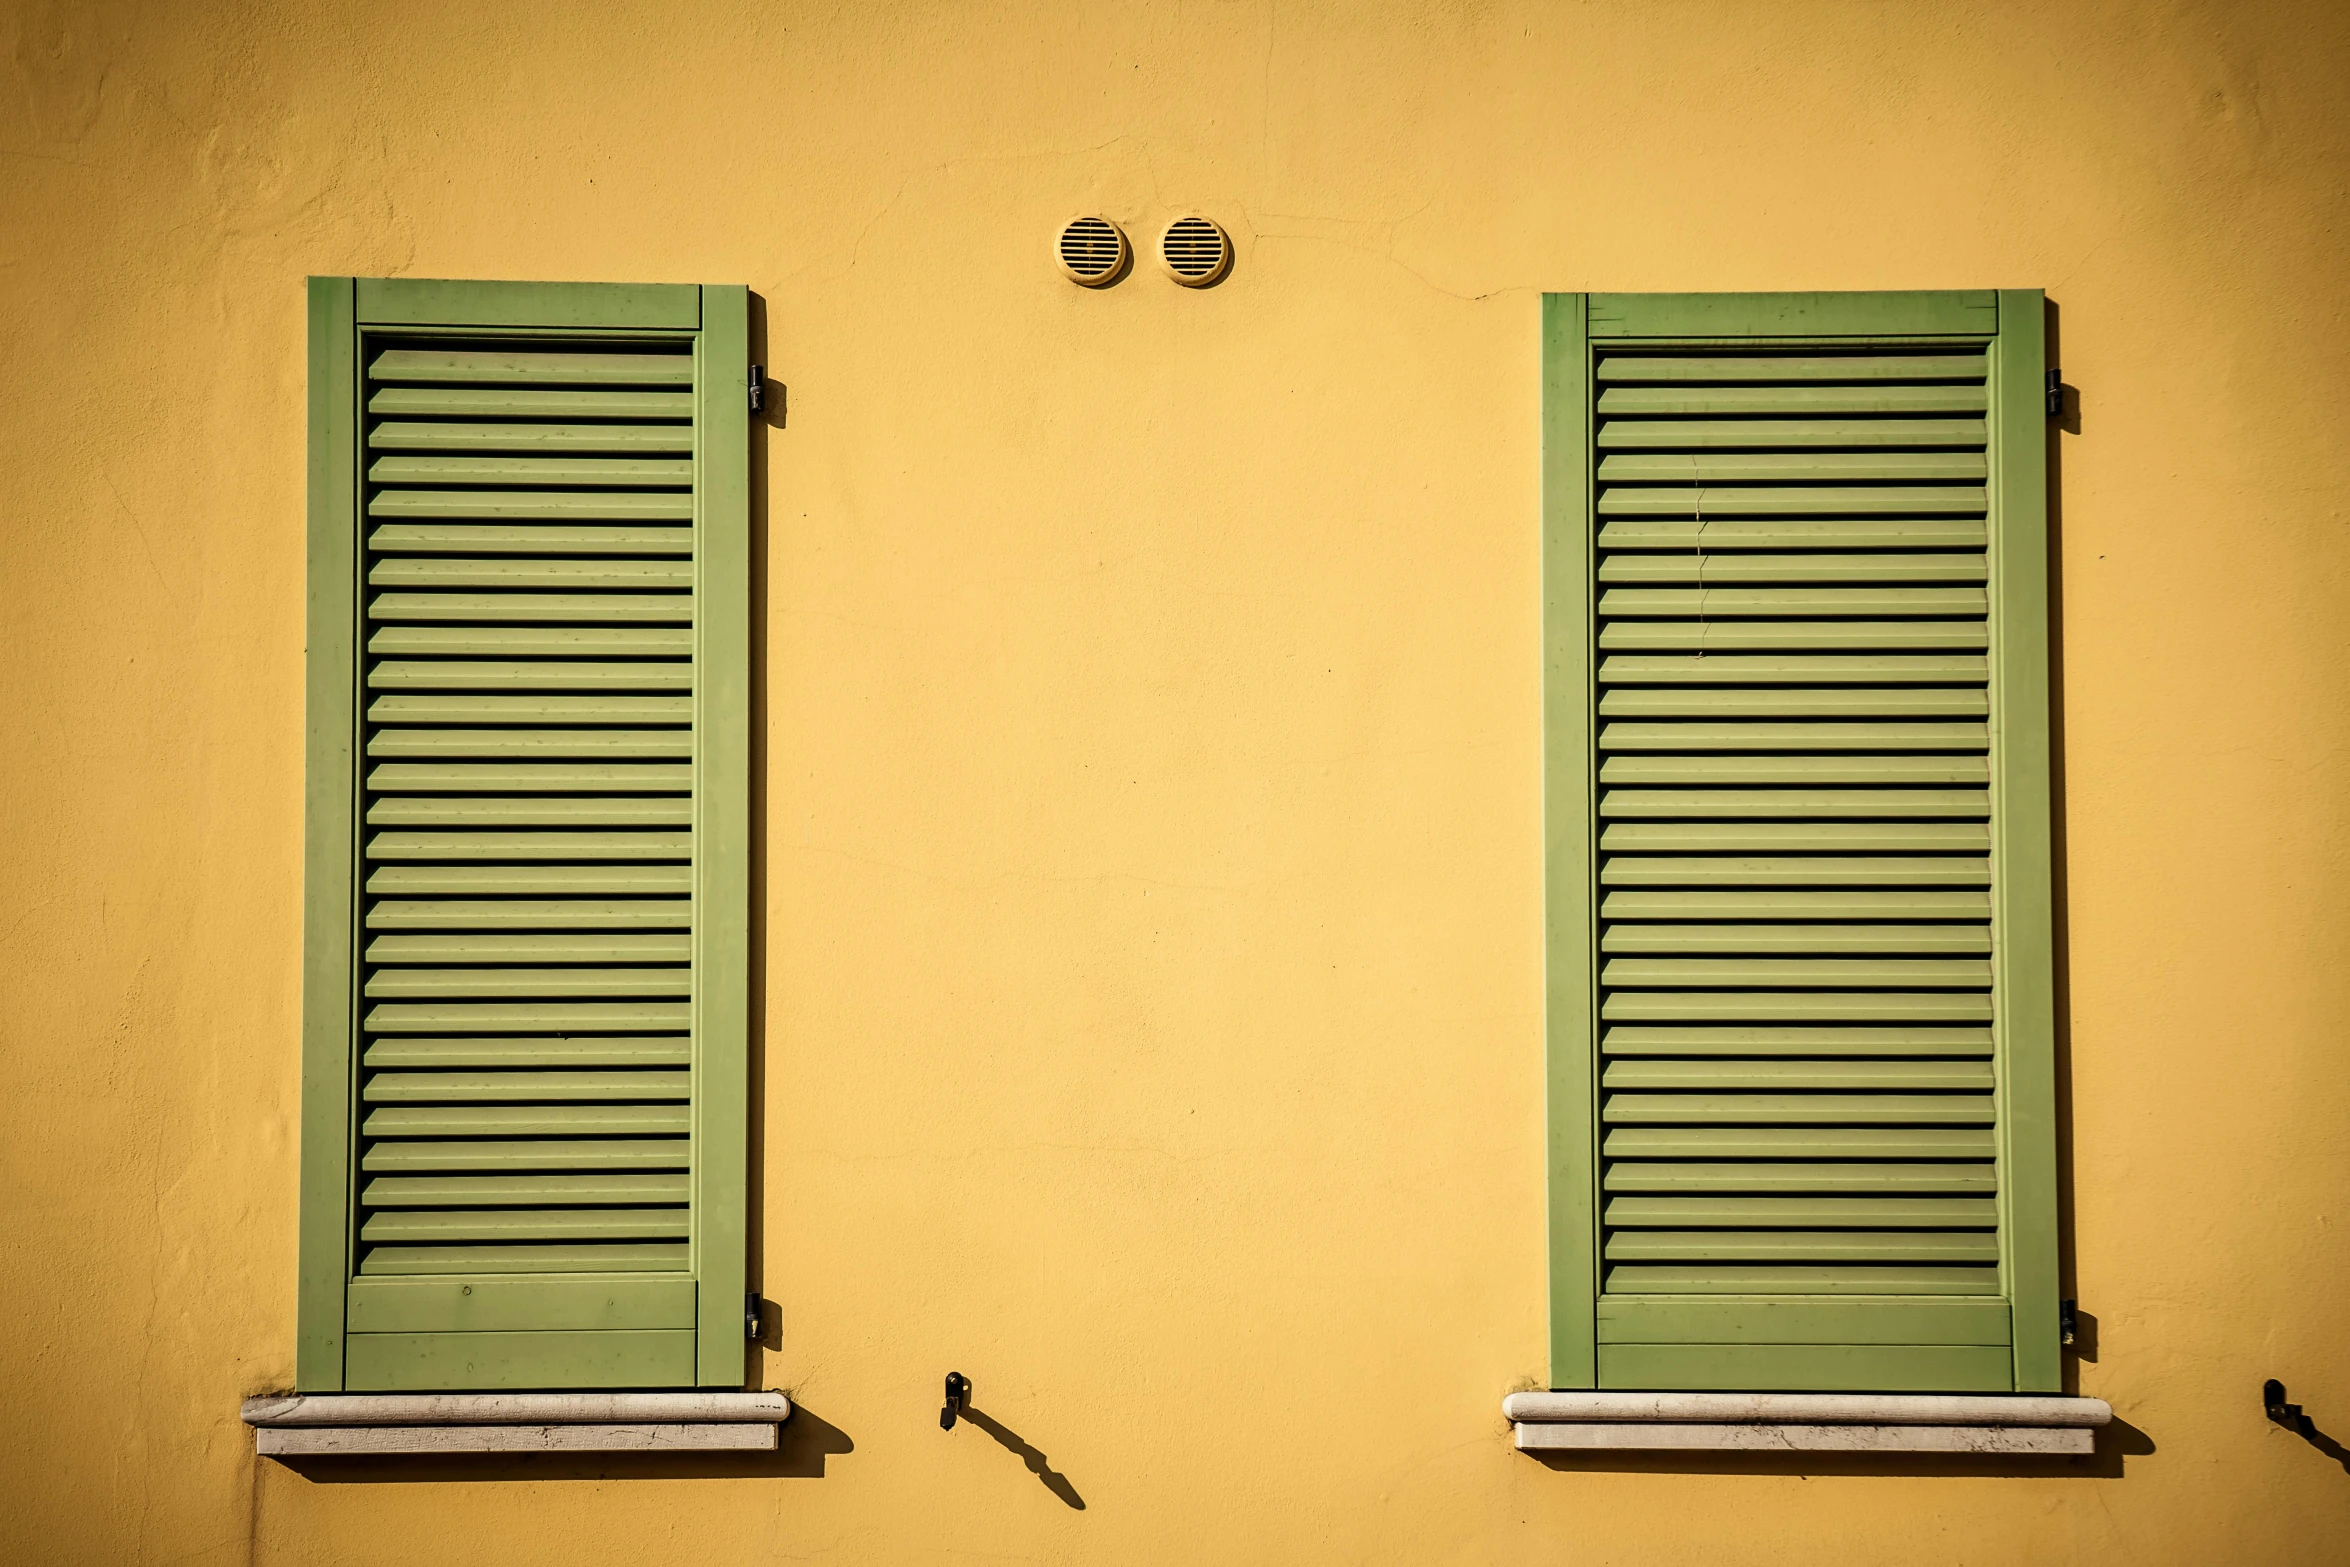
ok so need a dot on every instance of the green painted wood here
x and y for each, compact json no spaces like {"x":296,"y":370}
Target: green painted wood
{"x":1794,"y":837}
{"x":570,"y":1120}
{"x":522,"y":505}
{"x":1665,"y":1320}
{"x":2024,"y":922}
{"x":472,"y":947}
{"x":1839,"y":1110}
{"x":1871,"y":1212}
{"x":634,"y":1153}
{"x":610,"y":608}
{"x":1735,"y":569}
{"x":1790,"y":1246}
{"x":1806,"y":771}
{"x":525,"y":1017}
{"x":519,"y":1303}
{"x":532,"y":641}
{"x":1788,"y":603}
{"x":329,"y":837}
{"x":505,"y":675}
{"x":495,"y":365}
{"x":532,"y":745}
{"x":539,"y":1087}
{"x":1629,"y":938}
{"x":1765,"y":434}
{"x":1890,"y":1141}
{"x":459,"y":538}
{"x":1906,"y":904}
{"x":1752,"y":533}
{"x":532,"y":811}
{"x":531,"y":778}
{"x":400,"y":983}
{"x":1792,"y":636}
{"x":1806,"y":1368}
{"x":1980,"y":1179}
{"x":722,"y":865}
{"x":1773,"y":1006}
{"x":485,"y":1362}
{"x":530,"y":1257}
{"x":1794,"y":804}
{"x":1915,"y":313}
{"x":443,"y":1226}
{"x":1727,"y":500}
{"x":486,"y":468}
{"x":1873,"y":1281}
{"x":397,"y":436}
{"x":1781,"y":1075}
{"x":529,"y":880}
{"x":1840,"y":1040}
{"x":530,"y":845}
{"x":1802,"y":702}
{"x":1624,"y":669}
{"x":1749,"y":467}
{"x":531,"y":709}
{"x":1621,"y":369}
{"x":1794,"y":579}
{"x":1757,"y":871}
{"x":454,"y":302}
{"x":565,"y":914}
{"x":494,"y":1051}
{"x":561,"y":576}
{"x":428,"y":402}
{"x":527,"y":1190}
{"x":1794,"y":401}
{"x":1568,"y":721}
{"x":1706,"y":736}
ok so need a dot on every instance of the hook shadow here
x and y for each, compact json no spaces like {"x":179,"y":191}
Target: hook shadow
{"x":1020,"y":1447}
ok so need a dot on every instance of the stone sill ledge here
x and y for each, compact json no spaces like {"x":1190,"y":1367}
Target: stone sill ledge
{"x":1804,"y":1422}
{"x":295,"y":1424}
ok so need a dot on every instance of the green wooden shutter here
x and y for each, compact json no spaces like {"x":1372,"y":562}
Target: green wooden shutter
{"x":525,"y":1096}
{"x":1799,"y":897}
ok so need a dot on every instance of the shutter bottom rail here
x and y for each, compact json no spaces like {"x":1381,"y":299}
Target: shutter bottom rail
{"x":2028,"y":1426}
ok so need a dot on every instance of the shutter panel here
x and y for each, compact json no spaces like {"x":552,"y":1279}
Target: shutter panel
{"x":1797,"y":805}
{"x":539,"y":518}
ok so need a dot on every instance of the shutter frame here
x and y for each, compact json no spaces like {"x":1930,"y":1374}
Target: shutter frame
{"x":341,"y":312}
{"x":1921,"y":1344}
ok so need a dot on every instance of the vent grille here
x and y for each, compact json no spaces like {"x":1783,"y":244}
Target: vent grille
{"x":1092,"y":251}
{"x":1195,"y":252}
{"x":529,"y":810}
{"x":1795,"y":824}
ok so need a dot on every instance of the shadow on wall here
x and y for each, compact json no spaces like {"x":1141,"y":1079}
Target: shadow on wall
{"x":2115,"y":1442}
{"x":807,"y":1440}
{"x":1020,"y":1447}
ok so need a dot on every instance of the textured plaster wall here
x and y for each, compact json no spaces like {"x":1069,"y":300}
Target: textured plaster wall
{"x":1151,"y":813}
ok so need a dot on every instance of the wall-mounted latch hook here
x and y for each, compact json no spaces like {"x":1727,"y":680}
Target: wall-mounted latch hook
{"x":958,"y":1395}
{"x":2272,"y":1398}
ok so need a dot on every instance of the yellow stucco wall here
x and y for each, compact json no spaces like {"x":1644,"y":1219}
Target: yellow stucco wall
{"x":1152,"y":922}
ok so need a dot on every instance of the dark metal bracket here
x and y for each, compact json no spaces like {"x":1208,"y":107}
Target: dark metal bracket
{"x":2272,"y":1398}
{"x":958,"y":1396}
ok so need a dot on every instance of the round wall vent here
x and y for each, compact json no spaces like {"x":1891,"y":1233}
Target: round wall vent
{"x":1092,"y":251}
{"x":1195,"y":252}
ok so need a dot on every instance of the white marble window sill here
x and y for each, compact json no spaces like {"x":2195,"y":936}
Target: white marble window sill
{"x":1804,"y":1422}
{"x":295,"y":1424}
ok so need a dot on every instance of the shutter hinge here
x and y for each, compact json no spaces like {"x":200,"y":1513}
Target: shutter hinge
{"x":751,"y":1302}
{"x":758,"y":387}
{"x":2055,"y":394}
{"x":2068,"y":1318}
